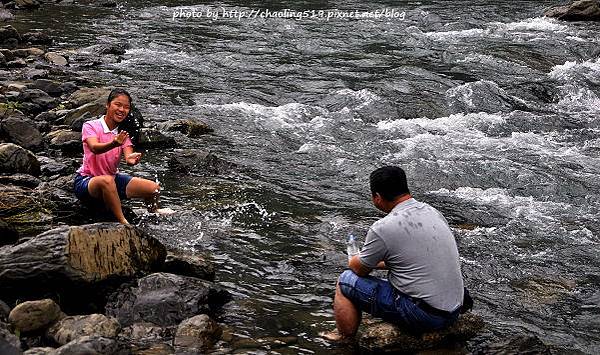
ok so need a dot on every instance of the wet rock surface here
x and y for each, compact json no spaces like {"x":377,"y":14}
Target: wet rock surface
{"x":582,"y":10}
{"x":386,"y":337}
{"x":199,"y":162}
{"x":75,"y":327}
{"x":193,"y":265}
{"x":16,"y":159}
{"x":165,"y":299}
{"x":198,"y":333}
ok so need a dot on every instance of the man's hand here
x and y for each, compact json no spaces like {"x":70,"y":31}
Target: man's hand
{"x":133,"y":158}
{"x":120,"y":138}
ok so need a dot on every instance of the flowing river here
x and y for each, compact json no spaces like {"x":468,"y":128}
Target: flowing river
{"x":492,"y":110}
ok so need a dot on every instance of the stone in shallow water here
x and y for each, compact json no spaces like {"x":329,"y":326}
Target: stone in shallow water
{"x":583,"y":10}
{"x":198,"y":333}
{"x":518,"y":345}
{"x":76,"y":327}
{"x":386,"y":337}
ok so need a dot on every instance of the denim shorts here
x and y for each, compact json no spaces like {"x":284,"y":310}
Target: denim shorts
{"x":83,"y":194}
{"x":379,"y":298}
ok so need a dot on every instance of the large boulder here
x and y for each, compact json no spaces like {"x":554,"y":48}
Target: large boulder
{"x":31,"y":316}
{"x":15,"y":159}
{"x":75,"y":327}
{"x":78,"y":256}
{"x":165,"y":299}
{"x":198,"y":161}
{"x":582,"y":10}
{"x":86,"y":95}
{"x":382,"y":337}
{"x":66,"y":140}
{"x":20,"y":180}
{"x":91,"y":109}
{"x":22,"y":131}
{"x":51,"y":87}
{"x":24,"y":210}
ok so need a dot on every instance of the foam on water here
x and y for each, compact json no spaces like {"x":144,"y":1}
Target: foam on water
{"x":532,"y":26}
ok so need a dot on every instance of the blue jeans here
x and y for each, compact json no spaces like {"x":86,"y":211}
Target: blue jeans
{"x":379,"y":298}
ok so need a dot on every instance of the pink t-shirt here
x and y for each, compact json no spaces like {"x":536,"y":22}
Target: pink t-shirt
{"x":100,"y":164}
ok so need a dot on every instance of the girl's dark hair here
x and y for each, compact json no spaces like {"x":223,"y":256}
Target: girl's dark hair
{"x":134,"y":120}
{"x":116,"y":92}
{"x":389,"y":182}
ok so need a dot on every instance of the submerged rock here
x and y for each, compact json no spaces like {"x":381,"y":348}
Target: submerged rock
{"x":198,"y":161}
{"x":516,"y":346}
{"x":191,"y":128}
{"x":146,"y":333}
{"x":386,"y":337}
{"x":582,"y":10}
{"x":480,"y":96}
{"x":34,"y":315}
{"x":77,"y":256}
{"x":75,"y":327}
{"x":165,"y":299}
{"x":153,"y":138}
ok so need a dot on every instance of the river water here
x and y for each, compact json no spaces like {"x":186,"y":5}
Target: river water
{"x":492,"y":110}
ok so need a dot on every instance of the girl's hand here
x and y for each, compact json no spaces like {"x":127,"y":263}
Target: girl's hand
{"x":120,"y":138}
{"x":134,"y":158}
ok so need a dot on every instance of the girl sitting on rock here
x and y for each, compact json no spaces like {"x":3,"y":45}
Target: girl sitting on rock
{"x":99,"y":178}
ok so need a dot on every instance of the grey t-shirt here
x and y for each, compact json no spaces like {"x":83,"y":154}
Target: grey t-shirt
{"x":420,"y":253}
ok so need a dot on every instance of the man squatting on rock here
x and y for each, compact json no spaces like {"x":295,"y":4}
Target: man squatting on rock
{"x":424,"y":290}
{"x":98,"y":179}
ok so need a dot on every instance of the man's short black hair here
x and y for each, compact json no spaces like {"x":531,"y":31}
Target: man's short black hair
{"x":389,"y":182}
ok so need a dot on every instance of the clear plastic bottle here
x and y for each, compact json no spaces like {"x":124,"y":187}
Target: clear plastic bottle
{"x":352,"y":246}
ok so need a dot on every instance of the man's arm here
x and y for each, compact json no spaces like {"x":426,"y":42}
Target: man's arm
{"x":360,"y":269}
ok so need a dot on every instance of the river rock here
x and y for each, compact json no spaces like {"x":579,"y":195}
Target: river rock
{"x":2,"y":60}
{"x":198,"y":161}
{"x":24,"y":211}
{"x":9,"y":32}
{"x":75,"y":327}
{"x":52,"y":88}
{"x":198,"y":333}
{"x":37,"y":38}
{"x":51,"y":167}
{"x":582,"y":10}
{"x":153,"y":138}
{"x":9,"y":343}
{"x":86,"y":95}
{"x":8,"y":235}
{"x":67,"y":141}
{"x":16,"y":159}
{"x":191,"y":128}
{"x":189,"y":265}
{"x":17,"y":63}
{"x":21,"y":131}
{"x":40,"y":351}
{"x":21,"y":180}
{"x":30,"y":316}
{"x":7,"y":53}
{"x":48,"y":116}
{"x":38,"y":97}
{"x":516,"y":346}
{"x":27,"y":4}
{"x":26,"y":52}
{"x":92,"y":345}
{"x":165,"y":299}
{"x":91,"y":109}
{"x":154,"y":349}
{"x":67,"y":257}
{"x":386,"y":337}
{"x":56,"y":59}
{"x":145,"y":333}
